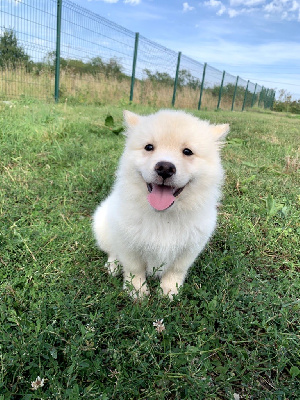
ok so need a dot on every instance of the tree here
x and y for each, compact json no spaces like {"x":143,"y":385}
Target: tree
{"x":95,"y":66}
{"x":185,"y":78}
{"x":160,"y":77}
{"x":285,"y":103}
{"x":11,"y":53}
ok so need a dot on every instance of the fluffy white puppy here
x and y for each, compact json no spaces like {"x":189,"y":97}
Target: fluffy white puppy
{"x":163,"y":207}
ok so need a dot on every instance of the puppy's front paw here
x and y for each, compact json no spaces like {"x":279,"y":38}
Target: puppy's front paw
{"x":169,"y":288}
{"x":140,"y":293}
{"x":169,"y":292}
{"x":137,"y":287}
{"x":113,"y":266}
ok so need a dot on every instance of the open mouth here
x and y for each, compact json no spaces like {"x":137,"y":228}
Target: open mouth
{"x":162,"y":197}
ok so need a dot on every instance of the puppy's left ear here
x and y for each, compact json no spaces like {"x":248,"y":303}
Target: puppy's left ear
{"x":130,"y":118}
{"x":220,"y":132}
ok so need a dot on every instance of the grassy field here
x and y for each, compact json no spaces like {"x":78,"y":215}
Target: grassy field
{"x":232,"y":333}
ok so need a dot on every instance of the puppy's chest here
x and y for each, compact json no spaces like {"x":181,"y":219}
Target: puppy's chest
{"x":162,"y":234}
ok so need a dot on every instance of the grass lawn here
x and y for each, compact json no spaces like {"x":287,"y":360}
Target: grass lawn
{"x":232,"y":333}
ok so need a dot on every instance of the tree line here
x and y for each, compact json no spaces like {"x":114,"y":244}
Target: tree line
{"x":12,"y":56}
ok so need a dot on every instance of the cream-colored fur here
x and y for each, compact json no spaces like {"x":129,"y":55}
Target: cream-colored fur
{"x":137,"y":236}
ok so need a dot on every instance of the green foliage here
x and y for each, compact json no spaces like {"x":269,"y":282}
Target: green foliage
{"x":110,"y":123}
{"x":228,"y":93}
{"x":11,"y":53}
{"x":287,"y":106}
{"x":185,"y":78}
{"x":159,"y":77}
{"x":234,"y":327}
{"x":111,"y":68}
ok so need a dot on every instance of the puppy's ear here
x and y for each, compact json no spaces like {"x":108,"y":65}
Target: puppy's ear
{"x":220,"y":132}
{"x":130,"y":118}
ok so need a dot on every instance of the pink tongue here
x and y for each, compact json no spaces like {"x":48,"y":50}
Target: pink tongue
{"x":161,"y":197}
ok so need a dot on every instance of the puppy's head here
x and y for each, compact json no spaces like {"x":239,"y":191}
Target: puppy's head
{"x":173,"y":153}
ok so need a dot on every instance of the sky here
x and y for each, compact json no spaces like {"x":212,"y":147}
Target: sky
{"x":258,"y":40}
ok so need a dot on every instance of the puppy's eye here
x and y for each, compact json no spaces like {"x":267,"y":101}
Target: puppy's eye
{"x":149,"y":147}
{"x":187,"y":152}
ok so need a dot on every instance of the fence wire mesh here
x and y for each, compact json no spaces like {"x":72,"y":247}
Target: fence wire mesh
{"x":97,"y":63}
{"x":28,"y":34}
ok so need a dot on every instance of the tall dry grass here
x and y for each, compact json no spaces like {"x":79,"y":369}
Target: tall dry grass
{"x":16,"y":83}
{"x":99,"y":89}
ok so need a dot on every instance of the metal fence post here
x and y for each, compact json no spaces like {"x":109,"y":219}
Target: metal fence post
{"x":253,"y":97}
{"x":234,"y":93}
{"x":176,"y":79}
{"x":273,"y":99}
{"x":270,"y":99}
{"x":272,"y":95}
{"x":261,"y":95}
{"x":57,"y":56}
{"x":136,"y":44}
{"x":220,"y":91}
{"x":245,"y":97}
{"x":202,"y":85}
{"x":266,"y":98}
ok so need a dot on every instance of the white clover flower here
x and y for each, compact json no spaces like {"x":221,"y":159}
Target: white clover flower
{"x":159,"y":325}
{"x":90,"y":328}
{"x":37,"y":383}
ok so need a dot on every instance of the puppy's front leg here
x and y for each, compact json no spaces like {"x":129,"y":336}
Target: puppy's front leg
{"x":112,"y":265}
{"x":175,"y":275}
{"x":134,"y":276}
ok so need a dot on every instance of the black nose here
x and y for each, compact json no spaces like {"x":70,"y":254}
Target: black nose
{"x":165,"y":169}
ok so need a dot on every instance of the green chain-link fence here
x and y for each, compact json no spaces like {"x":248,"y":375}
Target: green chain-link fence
{"x":57,"y":49}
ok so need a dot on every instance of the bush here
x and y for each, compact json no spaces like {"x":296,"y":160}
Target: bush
{"x":11,"y":53}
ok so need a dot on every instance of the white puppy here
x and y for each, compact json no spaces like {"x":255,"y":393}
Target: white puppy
{"x":163,"y":207}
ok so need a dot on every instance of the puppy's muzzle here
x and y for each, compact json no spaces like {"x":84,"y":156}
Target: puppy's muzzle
{"x":165,"y":169}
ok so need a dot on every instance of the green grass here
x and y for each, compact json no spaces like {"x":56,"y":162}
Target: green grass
{"x":234,"y":329}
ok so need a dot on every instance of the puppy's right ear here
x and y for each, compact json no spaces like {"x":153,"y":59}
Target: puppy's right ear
{"x":220,"y":132}
{"x":131,"y":119}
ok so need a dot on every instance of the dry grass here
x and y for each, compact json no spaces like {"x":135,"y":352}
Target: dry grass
{"x":16,"y":83}
{"x":99,"y":89}
{"x":292,"y":163}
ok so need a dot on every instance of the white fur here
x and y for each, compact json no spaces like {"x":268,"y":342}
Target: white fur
{"x":166,"y":243}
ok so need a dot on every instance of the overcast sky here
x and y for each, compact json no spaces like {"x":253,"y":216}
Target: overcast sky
{"x":258,"y":40}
